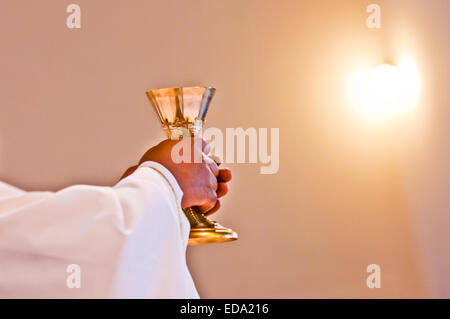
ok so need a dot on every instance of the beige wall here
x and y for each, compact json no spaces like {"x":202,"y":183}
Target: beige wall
{"x":422,"y":28}
{"x":73,"y":110}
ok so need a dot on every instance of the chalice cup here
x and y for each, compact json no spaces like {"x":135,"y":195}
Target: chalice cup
{"x":182,"y":112}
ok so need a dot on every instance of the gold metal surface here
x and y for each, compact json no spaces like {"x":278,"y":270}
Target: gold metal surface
{"x":182,"y":112}
{"x":199,"y":236}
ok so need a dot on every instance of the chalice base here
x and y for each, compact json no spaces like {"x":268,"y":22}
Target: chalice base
{"x":211,"y":235}
{"x":206,"y":231}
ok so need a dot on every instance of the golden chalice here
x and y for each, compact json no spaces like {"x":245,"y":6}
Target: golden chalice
{"x":182,"y":111}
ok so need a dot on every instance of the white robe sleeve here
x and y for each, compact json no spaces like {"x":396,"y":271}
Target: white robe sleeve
{"x":128,"y":240}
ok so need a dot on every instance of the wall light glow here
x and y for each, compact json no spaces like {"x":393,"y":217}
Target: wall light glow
{"x":385,"y":91}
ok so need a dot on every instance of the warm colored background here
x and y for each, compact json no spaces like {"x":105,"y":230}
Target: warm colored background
{"x":347,"y":194}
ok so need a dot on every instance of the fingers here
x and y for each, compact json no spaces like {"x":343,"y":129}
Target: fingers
{"x":210,"y":202}
{"x":214,"y":204}
{"x":214,"y":183}
{"x":214,"y":209}
{"x":201,"y":181}
{"x":224,"y":175}
{"x":212,"y":166}
{"x":206,"y":148}
{"x":222,"y":189}
{"x":216,"y":159}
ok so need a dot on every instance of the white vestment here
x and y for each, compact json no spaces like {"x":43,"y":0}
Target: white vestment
{"x":126,"y":241}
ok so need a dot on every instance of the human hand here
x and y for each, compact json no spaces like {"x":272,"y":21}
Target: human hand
{"x":202,"y":183}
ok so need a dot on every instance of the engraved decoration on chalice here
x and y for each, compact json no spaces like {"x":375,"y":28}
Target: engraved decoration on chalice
{"x":182,"y":111}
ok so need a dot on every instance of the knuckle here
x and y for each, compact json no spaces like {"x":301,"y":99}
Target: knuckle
{"x":214,"y":184}
{"x":212,"y":197}
{"x":214,"y":166}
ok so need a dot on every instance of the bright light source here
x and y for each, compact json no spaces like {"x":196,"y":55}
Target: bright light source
{"x":385,"y":91}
